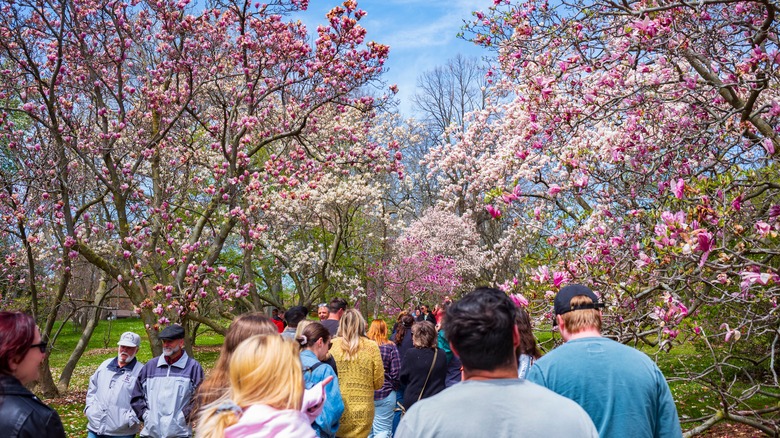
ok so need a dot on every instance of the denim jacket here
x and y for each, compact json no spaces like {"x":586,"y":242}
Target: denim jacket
{"x":327,"y":423}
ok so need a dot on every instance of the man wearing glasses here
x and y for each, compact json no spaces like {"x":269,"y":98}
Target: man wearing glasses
{"x":108,"y":409}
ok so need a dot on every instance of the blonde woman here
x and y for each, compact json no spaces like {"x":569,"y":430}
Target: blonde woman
{"x":216,"y":384}
{"x":361,"y":372}
{"x":266,"y":394}
{"x":384,"y":398}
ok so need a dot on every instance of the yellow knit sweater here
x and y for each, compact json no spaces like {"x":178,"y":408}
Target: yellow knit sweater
{"x":358,"y":379}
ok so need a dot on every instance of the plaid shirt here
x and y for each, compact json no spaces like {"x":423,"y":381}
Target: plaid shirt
{"x":392,"y":363}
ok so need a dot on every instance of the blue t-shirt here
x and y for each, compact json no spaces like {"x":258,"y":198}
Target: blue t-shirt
{"x":621,"y":389}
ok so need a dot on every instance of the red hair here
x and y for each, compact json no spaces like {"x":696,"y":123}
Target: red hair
{"x":17,"y":334}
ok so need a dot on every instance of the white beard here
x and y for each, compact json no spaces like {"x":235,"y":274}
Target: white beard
{"x":171,"y":351}
{"x":127,"y":360}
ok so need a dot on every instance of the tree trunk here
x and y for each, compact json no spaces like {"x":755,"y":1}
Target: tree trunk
{"x":46,"y":386}
{"x":150,"y":320}
{"x":46,"y":383}
{"x":86,"y":334}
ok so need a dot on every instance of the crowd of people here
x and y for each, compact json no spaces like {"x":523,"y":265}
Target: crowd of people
{"x":469,"y":367}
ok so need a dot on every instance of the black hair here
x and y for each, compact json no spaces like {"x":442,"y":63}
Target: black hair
{"x":295,"y":314}
{"x":404,"y":327}
{"x":337,"y":304}
{"x":480,"y":327}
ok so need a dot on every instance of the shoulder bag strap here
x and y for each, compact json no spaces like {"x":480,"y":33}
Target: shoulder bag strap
{"x":435,"y":353}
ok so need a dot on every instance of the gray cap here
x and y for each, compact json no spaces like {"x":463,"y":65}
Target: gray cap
{"x":129,"y":339}
{"x":172,"y":332}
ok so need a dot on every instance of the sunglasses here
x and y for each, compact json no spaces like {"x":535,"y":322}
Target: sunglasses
{"x":43,"y":346}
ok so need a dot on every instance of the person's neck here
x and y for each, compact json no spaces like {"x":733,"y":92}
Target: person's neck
{"x":332,"y":316}
{"x":587,"y":333}
{"x":498,"y":373}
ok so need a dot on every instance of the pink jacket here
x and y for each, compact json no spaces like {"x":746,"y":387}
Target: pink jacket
{"x":259,"y":421}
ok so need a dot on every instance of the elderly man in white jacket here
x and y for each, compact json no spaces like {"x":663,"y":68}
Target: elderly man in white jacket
{"x":108,"y":398}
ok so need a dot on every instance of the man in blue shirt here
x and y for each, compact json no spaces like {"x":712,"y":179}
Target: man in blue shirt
{"x":621,"y":389}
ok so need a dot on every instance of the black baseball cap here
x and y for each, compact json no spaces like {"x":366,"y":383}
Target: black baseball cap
{"x":563,"y":300}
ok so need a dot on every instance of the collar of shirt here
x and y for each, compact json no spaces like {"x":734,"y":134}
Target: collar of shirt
{"x":114,"y":365}
{"x":181,"y":363}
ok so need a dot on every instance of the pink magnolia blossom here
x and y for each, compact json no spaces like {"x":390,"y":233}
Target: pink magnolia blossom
{"x":519,"y":300}
{"x":679,"y":188}
{"x":762,"y":228}
{"x":494,"y":211}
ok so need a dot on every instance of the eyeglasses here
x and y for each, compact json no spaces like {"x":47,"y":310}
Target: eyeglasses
{"x":322,"y":305}
{"x":43,"y":346}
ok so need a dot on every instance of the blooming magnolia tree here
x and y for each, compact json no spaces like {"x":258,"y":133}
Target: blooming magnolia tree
{"x":640,"y":140}
{"x":321,"y":234}
{"x":433,"y":257}
{"x":150,"y":130}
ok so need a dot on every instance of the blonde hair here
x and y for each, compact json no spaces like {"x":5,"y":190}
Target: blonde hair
{"x":264,"y":369}
{"x":216,"y":384}
{"x":583,"y":319}
{"x":378,"y":332}
{"x":351,"y":327}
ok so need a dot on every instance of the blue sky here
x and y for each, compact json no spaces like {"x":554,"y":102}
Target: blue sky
{"x":421,"y":35}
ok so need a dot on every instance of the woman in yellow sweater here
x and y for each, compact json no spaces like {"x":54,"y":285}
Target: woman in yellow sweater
{"x":361,"y":372}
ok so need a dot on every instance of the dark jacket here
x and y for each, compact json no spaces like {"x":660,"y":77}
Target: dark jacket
{"x":23,"y":415}
{"x":414,"y":370}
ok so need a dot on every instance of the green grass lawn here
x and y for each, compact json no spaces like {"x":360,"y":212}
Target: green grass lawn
{"x":102,"y":346}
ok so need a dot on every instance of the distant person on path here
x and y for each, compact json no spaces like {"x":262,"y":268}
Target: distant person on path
{"x":622,"y":390}
{"x":22,"y":350}
{"x":322,"y":312}
{"x":280,"y":324}
{"x":164,"y":392}
{"x":491,"y":401}
{"x":360,"y":374}
{"x":293,"y":316}
{"x":336,"y":308}
{"x":426,"y":315}
{"x":108,"y":409}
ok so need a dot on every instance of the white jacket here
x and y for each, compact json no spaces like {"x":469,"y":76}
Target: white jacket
{"x":108,"y":399}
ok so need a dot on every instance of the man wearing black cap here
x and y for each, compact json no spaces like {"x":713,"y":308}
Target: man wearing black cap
{"x":162,"y":398}
{"x":621,"y":389}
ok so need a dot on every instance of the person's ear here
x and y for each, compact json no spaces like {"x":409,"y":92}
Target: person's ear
{"x":515,"y":336}
{"x":455,"y":352}
{"x":561,"y":324}
{"x":13,"y":363}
